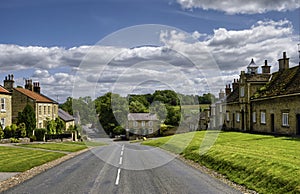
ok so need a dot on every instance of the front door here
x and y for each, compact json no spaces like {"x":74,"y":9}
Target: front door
{"x":272,"y":123}
{"x":298,"y":124}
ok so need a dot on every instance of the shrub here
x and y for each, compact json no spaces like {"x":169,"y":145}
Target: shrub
{"x":1,"y":132}
{"x":7,"y":132}
{"x":32,"y":138}
{"x":40,"y":134}
{"x":14,"y":140}
{"x":21,"y":130}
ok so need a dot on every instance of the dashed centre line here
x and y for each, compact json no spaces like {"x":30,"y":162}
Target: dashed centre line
{"x":120,"y":163}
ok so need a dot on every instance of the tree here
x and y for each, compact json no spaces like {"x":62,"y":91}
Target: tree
{"x":7,"y":132}
{"x":21,"y":130}
{"x":60,"y":125}
{"x":119,"y":130}
{"x":173,"y":116}
{"x":137,"y":107}
{"x":51,"y":127}
{"x":1,"y":132}
{"x":27,"y":116}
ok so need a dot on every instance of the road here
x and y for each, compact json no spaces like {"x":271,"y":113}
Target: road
{"x":123,"y":168}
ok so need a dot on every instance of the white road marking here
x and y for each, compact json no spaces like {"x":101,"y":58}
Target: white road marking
{"x":121,"y":159}
{"x":122,"y":153}
{"x":118,"y":177}
{"x":123,"y":147}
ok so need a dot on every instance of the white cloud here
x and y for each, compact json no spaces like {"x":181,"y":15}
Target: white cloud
{"x":241,"y":6}
{"x":183,"y":63}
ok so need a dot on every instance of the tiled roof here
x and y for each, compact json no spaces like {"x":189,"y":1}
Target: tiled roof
{"x":142,"y":117}
{"x":35,"y":96}
{"x":65,"y":116}
{"x":3,"y":90}
{"x":282,"y":83}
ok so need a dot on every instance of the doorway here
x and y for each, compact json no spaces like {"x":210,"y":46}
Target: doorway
{"x":298,"y":124}
{"x":272,"y":123}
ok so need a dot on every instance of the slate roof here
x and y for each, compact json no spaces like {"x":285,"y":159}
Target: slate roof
{"x":281,"y":83}
{"x":3,"y":90}
{"x":65,"y":116}
{"x":233,"y":96}
{"x":35,"y":96}
{"x":142,"y":117}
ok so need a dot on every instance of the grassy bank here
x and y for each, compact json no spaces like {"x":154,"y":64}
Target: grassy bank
{"x":266,"y":164}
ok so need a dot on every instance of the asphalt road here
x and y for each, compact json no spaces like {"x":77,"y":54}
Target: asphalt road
{"x":123,"y":168}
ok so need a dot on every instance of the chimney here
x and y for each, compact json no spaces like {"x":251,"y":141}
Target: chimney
{"x":36,"y":87}
{"x":235,"y":84}
{"x":9,"y":82}
{"x":266,"y":69}
{"x":227,"y":90}
{"x":221,"y":94}
{"x":283,"y":63}
{"x":28,"y":84}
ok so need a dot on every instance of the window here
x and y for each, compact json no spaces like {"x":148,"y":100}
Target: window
{"x":227,"y":116}
{"x":254,"y":117}
{"x":143,"y":123}
{"x":237,"y":117}
{"x":213,"y":111}
{"x":263,"y":117}
{"x":49,"y":110}
{"x":242,"y":92}
{"x":150,"y":131}
{"x":3,"y":105}
{"x":285,"y":119}
{"x":45,"y":110}
{"x":40,"y":110}
{"x":150,"y":123}
{"x":135,"y":124}
{"x":3,"y":123}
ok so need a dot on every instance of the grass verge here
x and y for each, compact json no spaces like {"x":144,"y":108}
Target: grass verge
{"x":65,"y":146}
{"x":266,"y":164}
{"x":14,"y":159}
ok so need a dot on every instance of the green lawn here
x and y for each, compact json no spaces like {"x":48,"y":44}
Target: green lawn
{"x":66,"y":146}
{"x":266,"y":164}
{"x":14,"y":159}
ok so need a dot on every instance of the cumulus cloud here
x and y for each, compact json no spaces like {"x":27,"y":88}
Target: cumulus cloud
{"x":183,"y":63}
{"x":241,"y":6}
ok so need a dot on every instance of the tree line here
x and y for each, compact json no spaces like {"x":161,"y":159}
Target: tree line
{"x":110,"y":111}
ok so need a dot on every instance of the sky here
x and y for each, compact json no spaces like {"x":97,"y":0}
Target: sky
{"x":90,"y":47}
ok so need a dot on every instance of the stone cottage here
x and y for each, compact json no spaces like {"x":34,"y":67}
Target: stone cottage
{"x":142,"y":124}
{"x":44,"y":107}
{"x":5,"y":109}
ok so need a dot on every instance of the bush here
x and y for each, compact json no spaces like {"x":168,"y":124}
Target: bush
{"x":1,"y":132}
{"x":14,"y":140}
{"x":40,"y":134}
{"x":7,"y":132}
{"x":21,"y":130}
{"x":32,"y":138}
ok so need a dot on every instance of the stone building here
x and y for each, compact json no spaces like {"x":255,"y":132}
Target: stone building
{"x":5,"y":109}
{"x":262,"y":102}
{"x":142,"y":123}
{"x":44,"y":107}
{"x":68,"y":119}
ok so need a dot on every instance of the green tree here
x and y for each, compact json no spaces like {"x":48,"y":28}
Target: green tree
{"x":21,"y":130}
{"x":51,"y":127}
{"x":27,"y":116}
{"x":60,"y":125}
{"x":40,"y":134}
{"x":137,"y":107}
{"x":13,"y":129}
{"x":1,"y":132}
{"x":7,"y":132}
{"x":119,"y":130}
{"x":173,"y":116}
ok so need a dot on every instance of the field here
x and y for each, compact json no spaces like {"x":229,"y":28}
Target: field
{"x":266,"y":164}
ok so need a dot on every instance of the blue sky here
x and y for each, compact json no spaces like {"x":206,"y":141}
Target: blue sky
{"x":47,"y":40}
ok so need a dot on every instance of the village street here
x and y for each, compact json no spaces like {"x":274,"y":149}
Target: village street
{"x":121,"y":167}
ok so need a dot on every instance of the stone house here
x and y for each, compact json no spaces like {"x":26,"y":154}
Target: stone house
{"x":142,"y":124}
{"x":262,"y":102}
{"x":44,"y":107}
{"x":5,"y":107}
{"x":68,"y":119}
